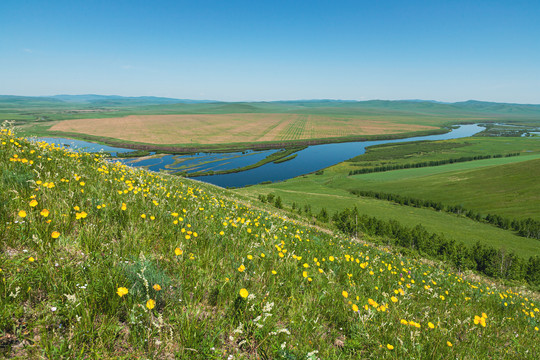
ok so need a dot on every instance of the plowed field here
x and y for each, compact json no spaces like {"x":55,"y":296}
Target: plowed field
{"x":234,"y":128}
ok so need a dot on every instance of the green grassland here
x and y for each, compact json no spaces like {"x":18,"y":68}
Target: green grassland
{"x":308,"y":191}
{"x":506,"y":186}
{"x":99,"y":260}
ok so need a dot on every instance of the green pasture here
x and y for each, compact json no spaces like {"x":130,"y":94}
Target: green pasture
{"x":507,"y":186}
{"x":305,"y":191}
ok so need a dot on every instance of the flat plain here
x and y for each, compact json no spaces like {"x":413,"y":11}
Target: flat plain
{"x":234,"y":128}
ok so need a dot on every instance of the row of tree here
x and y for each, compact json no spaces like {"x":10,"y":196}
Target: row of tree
{"x":528,"y":228}
{"x":497,"y":263}
{"x":422,"y":164}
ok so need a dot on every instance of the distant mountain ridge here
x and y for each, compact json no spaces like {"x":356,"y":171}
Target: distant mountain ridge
{"x":418,"y":106}
{"x":93,"y":98}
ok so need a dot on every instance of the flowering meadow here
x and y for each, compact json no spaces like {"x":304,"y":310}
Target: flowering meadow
{"x":98,"y":259}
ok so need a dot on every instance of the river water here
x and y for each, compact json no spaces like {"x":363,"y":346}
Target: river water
{"x":310,"y":159}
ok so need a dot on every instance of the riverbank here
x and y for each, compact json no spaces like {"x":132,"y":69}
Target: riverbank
{"x":185,"y":149}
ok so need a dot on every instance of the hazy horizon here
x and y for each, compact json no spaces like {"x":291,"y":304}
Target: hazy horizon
{"x":278,"y":100}
{"x":271,"y":51}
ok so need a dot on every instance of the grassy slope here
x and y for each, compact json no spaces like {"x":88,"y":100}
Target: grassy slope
{"x":309,"y":191}
{"x":309,"y":290}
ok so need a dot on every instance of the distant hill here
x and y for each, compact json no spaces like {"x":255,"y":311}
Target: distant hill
{"x":471,"y":109}
{"x":130,"y":100}
{"x":90,"y":100}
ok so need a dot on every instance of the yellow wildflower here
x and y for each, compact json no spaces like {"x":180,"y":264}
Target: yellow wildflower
{"x":121,"y":291}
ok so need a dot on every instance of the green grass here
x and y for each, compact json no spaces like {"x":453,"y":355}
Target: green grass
{"x":312,"y":294}
{"x":425,"y":151}
{"x":505,"y":186}
{"x":304,"y":191}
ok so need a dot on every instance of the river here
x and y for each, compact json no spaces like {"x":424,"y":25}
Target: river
{"x":308,"y":160}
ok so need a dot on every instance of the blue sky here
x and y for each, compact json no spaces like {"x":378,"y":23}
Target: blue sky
{"x":447,"y":50}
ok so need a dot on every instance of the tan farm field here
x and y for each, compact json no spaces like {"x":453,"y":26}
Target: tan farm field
{"x":236,"y":128}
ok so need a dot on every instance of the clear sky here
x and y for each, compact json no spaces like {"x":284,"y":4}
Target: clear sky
{"x":446,"y":50}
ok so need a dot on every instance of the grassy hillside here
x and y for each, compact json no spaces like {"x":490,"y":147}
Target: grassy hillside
{"x":101,"y":260}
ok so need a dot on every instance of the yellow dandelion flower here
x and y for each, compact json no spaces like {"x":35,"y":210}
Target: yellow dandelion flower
{"x":304,"y":274}
{"x":345,"y":294}
{"x":274,"y":272}
{"x":241,"y":268}
{"x":124,"y":207}
{"x":178,"y":251}
{"x":331,"y":258}
{"x":355,"y":307}
{"x":394,"y":299}
{"x":390,"y":347}
{"x":33,"y":203}
{"x":121,"y":291}
{"x":431,"y":326}
{"x":250,"y":257}
{"x":55,"y":234}
{"x":44,"y":213}
{"x":150,"y":304}
{"x":31,"y":259}
{"x":22,"y":213}
{"x":449,"y":343}
{"x":156,"y":287}
{"x":244,"y":293}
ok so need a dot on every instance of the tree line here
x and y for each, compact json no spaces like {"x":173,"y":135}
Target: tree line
{"x":528,"y":228}
{"x":391,"y":167}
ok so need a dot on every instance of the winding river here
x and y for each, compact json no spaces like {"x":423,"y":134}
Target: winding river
{"x":310,"y":159}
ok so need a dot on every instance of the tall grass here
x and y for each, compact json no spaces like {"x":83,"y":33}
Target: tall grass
{"x":101,"y":260}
